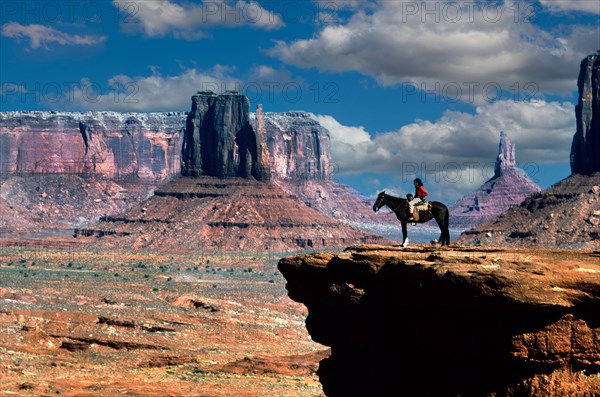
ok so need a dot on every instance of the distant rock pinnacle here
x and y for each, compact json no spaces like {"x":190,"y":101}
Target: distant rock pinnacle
{"x":506,"y":156}
{"x":586,"y":141}
{"x":507,"y":188}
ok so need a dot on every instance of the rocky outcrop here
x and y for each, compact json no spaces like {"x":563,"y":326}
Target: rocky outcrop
{"x":507,"y":188}
{"x":150,"y":146}
{"x":453,"y":322}
{"x":219,"y":140}
{"x":119,"y":146}
{"x":586,"y":141}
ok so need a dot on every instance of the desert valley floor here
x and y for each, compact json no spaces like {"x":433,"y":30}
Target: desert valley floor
{"x":75,"y":322}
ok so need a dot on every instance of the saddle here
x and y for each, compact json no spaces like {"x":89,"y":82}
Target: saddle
{"x":423,"y":206}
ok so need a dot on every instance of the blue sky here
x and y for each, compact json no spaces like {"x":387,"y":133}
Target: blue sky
{"x":407,"y":88}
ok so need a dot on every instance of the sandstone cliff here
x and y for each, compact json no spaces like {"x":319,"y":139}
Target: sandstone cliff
{"x":585,"y":158}
{"x":452,"y":322}
{"x":300,"y":147}
{"x":67,"y":169}
{"x":507,"y":188}
{"x":138,"y":152}
{"x":120,"y":146}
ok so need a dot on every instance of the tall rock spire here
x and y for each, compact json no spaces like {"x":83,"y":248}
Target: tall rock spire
{"x":585,"y":150}
{"x":506,"y":156}
{"x":508,"y":187}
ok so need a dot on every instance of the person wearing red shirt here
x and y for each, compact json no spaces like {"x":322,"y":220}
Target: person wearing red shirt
{"x":420,"y":194}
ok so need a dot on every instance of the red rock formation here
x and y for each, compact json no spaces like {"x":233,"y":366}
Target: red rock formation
{"x":105,"y":144}
{"x":452,"y":322}
{"x":300,"y":147}
{"x":507,"y":188}
{"x":143,"y":149}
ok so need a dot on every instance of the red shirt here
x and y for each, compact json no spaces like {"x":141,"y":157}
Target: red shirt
{"x":421,"y":192}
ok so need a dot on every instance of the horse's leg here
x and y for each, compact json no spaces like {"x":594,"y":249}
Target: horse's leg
{"x":447,"y":226}
{"x":404,"y":234}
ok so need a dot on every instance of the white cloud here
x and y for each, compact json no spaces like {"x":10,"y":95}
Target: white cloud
{"x":429,"y":43}
{"x":158,"y":18}
{"x":459,"y":147}
{"x":589,"y":6}
{"x":41,"y":36}
{"x":11,"y":88}
{"x":152,"y":93}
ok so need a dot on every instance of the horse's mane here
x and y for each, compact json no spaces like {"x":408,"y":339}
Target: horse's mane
{"x":393,"y":197}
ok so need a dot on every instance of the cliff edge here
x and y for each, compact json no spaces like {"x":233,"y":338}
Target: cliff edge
{"x":452,"y":322}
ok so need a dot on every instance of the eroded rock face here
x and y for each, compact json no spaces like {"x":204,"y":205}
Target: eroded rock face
{"x":120,"y":146}
{"x":458,"y":321}
{"x":300,"y":147}
{"x":219,"y":140}
{"x":291,"y":148}
{"x":585,"y":158}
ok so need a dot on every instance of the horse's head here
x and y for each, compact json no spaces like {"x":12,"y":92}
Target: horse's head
{"x":380,"y":201}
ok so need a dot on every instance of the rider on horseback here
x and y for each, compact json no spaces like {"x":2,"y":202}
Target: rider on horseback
{"x":420,"y":194}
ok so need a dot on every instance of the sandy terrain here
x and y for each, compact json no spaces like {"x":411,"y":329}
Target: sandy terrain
{"x":81,"y":323}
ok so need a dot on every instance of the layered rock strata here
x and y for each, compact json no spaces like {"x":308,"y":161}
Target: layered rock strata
{"x":507,"y":188}
{"x":452,"y":322}
{"x":210,"y":214}
{"x":146,"y":149}
{"x":119,"y":146}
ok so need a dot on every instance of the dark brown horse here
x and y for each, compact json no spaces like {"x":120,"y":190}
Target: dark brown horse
{"x":399,"y":206}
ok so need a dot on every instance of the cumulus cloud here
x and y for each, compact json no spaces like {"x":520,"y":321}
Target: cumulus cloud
{"x":457,"y":147}
{"x":588,"y":6}
{"x":158,"y":18}
{"x":150,"y":93}
{"x":40,"y":36}
{"x":440,"y":43}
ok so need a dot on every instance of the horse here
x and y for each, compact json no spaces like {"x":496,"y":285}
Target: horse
{"x":399,"y":206}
